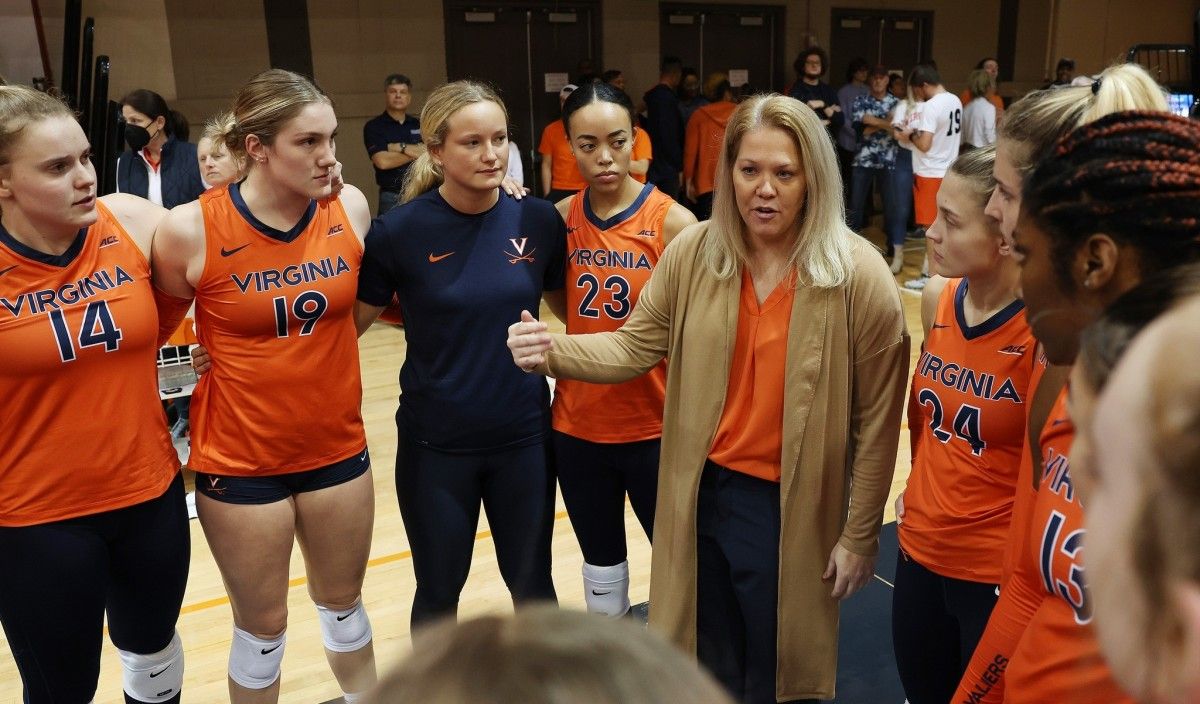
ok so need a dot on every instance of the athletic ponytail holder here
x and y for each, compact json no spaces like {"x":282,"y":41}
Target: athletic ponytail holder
{"x":1095,"y":86}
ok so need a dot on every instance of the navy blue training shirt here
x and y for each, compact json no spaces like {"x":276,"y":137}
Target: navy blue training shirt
{"x":462,"y":280}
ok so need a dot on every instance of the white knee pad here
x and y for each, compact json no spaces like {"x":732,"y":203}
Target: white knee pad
{"x":156,"y":677}
{"x":344,"y":631}
{"x":255,"y":663}
{"x":606,"y":589}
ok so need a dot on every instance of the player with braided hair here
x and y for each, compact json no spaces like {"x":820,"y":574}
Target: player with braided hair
{"x":1081,"y":246}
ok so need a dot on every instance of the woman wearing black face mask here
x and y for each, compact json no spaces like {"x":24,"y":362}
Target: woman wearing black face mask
{"x":160,"y":164}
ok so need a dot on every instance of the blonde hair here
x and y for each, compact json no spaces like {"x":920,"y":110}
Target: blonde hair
{"x":821,"y":252}
{"x":445,"y":100}
{"x":976,"y":168}
{"x":546,"y":655}
{"x":265,"y":104}
{"x":218,"y":127}
{"x":21,"y":106}
{"x":980,"y":83}
{"x":1036,"y":122}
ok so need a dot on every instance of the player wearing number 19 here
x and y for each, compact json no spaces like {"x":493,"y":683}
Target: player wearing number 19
{"x":277,"y":436}
{"x":606,"y":436}
{"x":92,"y":517}
{"x":967,"y":418}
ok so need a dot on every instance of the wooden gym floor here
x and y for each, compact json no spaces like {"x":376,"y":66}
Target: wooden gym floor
{"x":205,"y":621}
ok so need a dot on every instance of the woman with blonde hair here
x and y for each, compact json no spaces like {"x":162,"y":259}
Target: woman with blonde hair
{"x":979,"y":113}
{"x":543,"y":655}
{"x":277,"y":437}
{"x":465,"y":259}
{"x":766,"y":508}
{"x":93,"y":527}
{"x":219,"y":166}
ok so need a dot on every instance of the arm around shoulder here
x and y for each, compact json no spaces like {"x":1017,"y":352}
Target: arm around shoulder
{"x":177,"y":255}
{"x":357,"y":209}
{"x":138,"y":217}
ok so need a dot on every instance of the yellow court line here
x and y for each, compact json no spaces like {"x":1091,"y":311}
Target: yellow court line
{"x":298,"y":581}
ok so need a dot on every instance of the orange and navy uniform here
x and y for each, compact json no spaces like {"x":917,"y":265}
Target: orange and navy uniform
{"x":1024,"y":495}
{"x":971,"y":383}
{"x":608,"y":264}
{"x":642,"y":149}
{"x":564,"y":171}
{"x":82,"y":429}
{"x":275,"y":310}
{"x":1039,"y":645}
{"x":749,"y":437}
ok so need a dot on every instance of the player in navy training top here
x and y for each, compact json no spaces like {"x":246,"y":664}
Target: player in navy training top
{"x":466,"y":259}
{"x":460,"y":278}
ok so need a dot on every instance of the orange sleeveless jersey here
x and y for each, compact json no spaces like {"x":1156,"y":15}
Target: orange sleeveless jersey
{"x":1039,"y":645}
{"x":608,"y":263}
{"x":971,"y":384}
{"x":81,"y":427}
{"x":285,"y":390}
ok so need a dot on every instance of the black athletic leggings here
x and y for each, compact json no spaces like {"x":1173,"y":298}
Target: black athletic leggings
{"x":594,"y":478}
{"x":440,"y":494}
{"x":58,"y":579}
{"x":936,"y":623}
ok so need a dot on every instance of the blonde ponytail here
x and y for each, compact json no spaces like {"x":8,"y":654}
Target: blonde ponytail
{"x":423,"y":176}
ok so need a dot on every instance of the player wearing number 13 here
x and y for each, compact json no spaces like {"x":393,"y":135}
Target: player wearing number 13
{"x":277,"y":440}
{"x":967,"y":417}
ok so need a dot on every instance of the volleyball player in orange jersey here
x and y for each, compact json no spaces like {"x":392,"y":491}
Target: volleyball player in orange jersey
{"x":606,"y":437}
{"x":1112,"y":206}
{"x":971,"y":385}
{"x":277,"y":436}
{"x":92,"y":515}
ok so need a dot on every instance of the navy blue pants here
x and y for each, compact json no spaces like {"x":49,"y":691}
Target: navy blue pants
{"x":594,"y":478}
{"x":57,"y":581}
{"x":737,"y":581}
{"x":440,"y":494}
{"x":936,"y":623}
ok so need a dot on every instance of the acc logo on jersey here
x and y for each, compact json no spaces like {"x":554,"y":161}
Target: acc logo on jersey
{"x":518,"y":244}
{"x":335,"y":230}
{"x":108,"y":241}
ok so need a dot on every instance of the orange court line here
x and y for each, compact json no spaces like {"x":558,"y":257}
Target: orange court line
{"x":298,"y":581}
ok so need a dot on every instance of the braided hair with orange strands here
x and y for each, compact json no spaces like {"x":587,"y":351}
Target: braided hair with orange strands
{"x":1134,"y":176}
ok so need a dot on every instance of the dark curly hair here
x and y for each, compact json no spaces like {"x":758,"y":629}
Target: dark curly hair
{"x":1134,"y":176}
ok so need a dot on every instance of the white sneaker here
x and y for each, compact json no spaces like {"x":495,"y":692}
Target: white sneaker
{"x":897,"y":258}
{"x":916,"y":284}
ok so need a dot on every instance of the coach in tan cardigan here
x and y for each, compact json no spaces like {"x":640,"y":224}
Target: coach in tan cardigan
{"x":787,"y":360}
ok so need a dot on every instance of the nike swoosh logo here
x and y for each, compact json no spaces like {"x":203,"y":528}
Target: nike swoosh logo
{"x":235,"y":250}
{"x":936,"y":326}
{"x":265,"y":651}
{"x":435,"y":259}
{"x":5,"y":271}
{"x":596,"y":593}
{"x":362,"y":459}
{"x":156,"y":674}
{"x":343,"y":618}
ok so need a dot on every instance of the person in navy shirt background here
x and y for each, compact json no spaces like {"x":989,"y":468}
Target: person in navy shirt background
{"x":393,"y":141}
{"x":465,"y":260}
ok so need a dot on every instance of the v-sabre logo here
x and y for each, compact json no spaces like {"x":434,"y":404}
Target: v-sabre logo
{"x":518,"y":244}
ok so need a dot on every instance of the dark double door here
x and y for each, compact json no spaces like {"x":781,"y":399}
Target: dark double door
{"x":727,"y":38}
{"x":898,"y":39}
{"x":521,"y":48}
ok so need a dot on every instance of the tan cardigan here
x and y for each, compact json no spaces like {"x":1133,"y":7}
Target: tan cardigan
{"x":847,"y":367}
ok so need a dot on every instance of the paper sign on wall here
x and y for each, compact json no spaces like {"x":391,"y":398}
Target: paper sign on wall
{"x":739,"y":77}
{"x":556,"y":81}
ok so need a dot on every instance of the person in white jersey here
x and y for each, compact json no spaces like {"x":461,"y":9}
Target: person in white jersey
{"x":935,"y":137}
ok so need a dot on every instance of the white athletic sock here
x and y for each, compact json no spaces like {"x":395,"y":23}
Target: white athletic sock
{"x":354,"y":698}
{"x":606,"y":589}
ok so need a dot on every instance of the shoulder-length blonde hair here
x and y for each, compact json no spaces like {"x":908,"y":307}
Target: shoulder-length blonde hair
{"x":821,"y":253}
